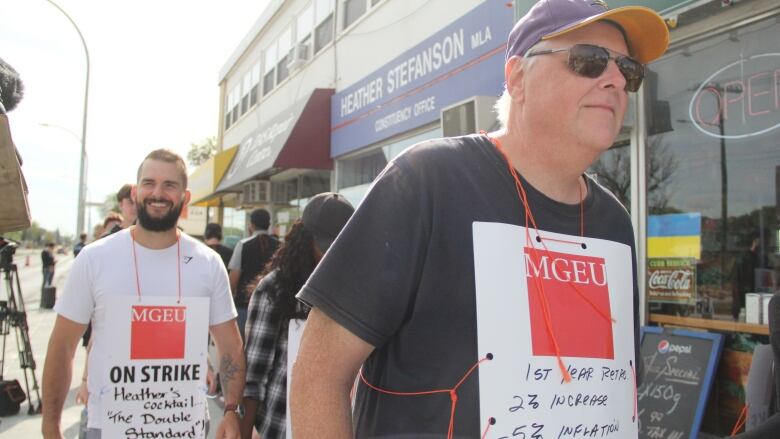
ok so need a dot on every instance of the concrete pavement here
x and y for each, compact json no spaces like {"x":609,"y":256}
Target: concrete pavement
{"x":41,"y":322}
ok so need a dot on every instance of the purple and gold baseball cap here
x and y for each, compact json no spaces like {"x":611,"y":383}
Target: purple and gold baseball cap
{"x":646,"y":32}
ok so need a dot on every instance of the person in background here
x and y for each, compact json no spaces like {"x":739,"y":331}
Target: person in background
{"x":249,"y":259}
{"x":48,"y":262}
{"x":126,"y":207}
{"x":273,"y":305}
{"x":213,"y":238}
{"x":80,"y":245}
{"x":112,"y":223}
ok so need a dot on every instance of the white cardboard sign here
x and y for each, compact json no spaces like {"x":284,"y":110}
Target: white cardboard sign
{"x":521,"y":389}
{"x":294,"y":335}
{"x":155,"y":370}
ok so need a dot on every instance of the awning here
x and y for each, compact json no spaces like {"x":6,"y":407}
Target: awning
{"x":298,"y":137}
{"x":204,"y":180}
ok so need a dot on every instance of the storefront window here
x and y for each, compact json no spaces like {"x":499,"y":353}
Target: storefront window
{"x":355,"y":174}
{"x":713,"y":174}
{"x":233,"y":226}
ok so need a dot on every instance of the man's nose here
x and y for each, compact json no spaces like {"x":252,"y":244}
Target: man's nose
{"x":613,"y":77}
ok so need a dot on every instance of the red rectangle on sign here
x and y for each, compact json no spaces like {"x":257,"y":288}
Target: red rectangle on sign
{"x":580,"y":329}
{"x":157,"y":332}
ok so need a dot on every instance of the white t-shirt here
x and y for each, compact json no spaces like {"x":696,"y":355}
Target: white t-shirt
{"x":105,"y":267}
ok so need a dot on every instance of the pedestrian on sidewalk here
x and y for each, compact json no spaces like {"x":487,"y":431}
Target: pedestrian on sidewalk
{"x":273,"y":307}
{"x":48,"y":261}
{"x":249,"y":258}
{"x":80,"y":245}
{"x":156,"y":263}
{"x":445,"y":226}
{"x":213,"y":238}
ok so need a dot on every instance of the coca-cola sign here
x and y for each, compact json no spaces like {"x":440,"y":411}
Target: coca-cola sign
{"x":671,"y":280}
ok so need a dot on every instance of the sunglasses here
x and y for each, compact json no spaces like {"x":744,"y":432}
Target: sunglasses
{"x":591,"y":61}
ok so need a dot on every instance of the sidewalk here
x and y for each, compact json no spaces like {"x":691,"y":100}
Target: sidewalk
{"x":40,"y":322}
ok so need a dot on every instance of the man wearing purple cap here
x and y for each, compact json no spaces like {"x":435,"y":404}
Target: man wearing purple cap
{"x":485,"y":281}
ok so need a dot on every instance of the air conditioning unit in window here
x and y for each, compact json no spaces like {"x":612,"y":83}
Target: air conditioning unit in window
{"x":469,"y":116}
{"x":256,"y":192}
{"x":298,"y":56}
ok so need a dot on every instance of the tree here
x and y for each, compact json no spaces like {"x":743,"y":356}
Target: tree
{"x":109,"y":205}
{"x":200,"y":152}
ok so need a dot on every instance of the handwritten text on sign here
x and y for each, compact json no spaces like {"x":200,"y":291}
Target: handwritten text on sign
{"x":521,"y":389}
{"x":156,"y":367}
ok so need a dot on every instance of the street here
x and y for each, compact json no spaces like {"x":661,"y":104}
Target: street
{"x":41,"y":322}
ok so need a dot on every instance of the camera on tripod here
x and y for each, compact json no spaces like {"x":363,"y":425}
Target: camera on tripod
{"x":7,"y":252}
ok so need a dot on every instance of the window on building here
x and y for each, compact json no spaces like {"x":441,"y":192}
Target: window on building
{"x":355,"y":174}
{"x":246,"y":88}
{"x":353,"y":9}
{"x":254,"y":84}
{"x":304,"y":24}
{"x":713,"y":175}
{"x":228,"y":110}
{"x":236,"y":99}
{"x":323,"y":31}
{"x":284,"y":46}
{"x":269,"y":73}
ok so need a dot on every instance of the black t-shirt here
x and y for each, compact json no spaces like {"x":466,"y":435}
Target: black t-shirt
{"x":401,"y":277}
{"x":224,"y":252}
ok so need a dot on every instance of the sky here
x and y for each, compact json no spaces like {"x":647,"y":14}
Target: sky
{"x":154,"y":72}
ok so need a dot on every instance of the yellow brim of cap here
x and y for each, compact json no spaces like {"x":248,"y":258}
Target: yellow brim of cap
{"x":648,"y":36}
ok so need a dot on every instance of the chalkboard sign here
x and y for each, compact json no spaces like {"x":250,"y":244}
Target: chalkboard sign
{"x":676,"y":379}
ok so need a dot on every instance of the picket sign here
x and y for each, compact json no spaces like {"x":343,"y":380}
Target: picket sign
{"x":155,"y":374}
{"x":521,"y":390}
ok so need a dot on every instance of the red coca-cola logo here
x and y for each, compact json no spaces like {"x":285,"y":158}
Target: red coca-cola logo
{"x":670,"y":280}
{"x":157,"y":332}
{"x":739,"y":100}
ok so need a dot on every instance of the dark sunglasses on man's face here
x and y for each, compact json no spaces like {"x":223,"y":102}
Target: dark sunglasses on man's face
{"x":591,"y":61}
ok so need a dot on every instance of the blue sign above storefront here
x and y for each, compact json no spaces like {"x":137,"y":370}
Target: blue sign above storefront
{"x":462,"y":60}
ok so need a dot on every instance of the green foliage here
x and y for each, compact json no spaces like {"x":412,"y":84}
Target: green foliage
{"x":200,"y":152}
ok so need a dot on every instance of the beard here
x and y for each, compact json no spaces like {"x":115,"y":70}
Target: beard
{"x":162,"y":224}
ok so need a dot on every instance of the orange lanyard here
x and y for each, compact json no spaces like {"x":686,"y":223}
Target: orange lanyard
{"x":178,"y":266}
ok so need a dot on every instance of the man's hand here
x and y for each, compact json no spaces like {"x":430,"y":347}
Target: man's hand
{"x":229,"y":427}
{"x":82,"y":395}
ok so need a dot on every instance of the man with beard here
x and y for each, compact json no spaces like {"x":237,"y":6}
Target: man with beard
{"x":155,"y":262}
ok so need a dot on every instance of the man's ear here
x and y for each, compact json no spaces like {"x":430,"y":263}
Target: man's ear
{"x":187,"y":196}
{"x":514,"y":72}
{"x":133,"y":193}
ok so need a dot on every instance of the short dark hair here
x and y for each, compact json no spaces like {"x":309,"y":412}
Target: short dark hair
{"x":49,"y":244}
{"x":168,"y":156}
{"x":213,"y":230}
{"x":260,"y":218}
{"x":124,"y":193}
{"x":83,"y":236}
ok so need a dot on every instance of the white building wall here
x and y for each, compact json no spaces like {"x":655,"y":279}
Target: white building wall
{"x":382,"y":33}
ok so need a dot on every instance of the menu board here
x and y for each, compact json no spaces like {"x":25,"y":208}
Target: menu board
{"x":677,"y":373}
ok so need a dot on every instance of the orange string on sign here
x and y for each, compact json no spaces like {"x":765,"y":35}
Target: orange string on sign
{"x":740,"y":421}
{"x":529,"y":218}
{"x":178,"y":266}
{"x":453,"y":392}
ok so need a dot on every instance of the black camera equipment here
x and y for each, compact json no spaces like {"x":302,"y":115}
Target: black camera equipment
{"x":13,"y":315}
